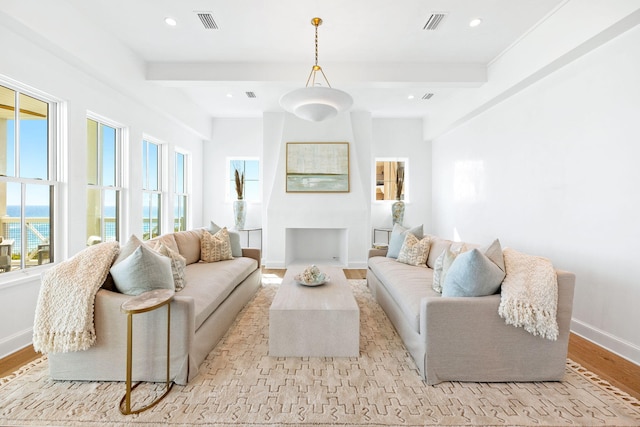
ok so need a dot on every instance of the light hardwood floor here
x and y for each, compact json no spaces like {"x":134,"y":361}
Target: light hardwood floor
{"x":612,"y":368}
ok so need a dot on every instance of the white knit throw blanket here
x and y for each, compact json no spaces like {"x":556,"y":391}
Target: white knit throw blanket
{"x":530,"y":294}
{"x":64,"y":314}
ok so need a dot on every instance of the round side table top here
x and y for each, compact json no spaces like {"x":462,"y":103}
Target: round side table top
{"x":147,"y":301}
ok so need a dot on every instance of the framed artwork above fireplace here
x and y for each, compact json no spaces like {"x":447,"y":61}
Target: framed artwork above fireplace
{"x":317,"y":167}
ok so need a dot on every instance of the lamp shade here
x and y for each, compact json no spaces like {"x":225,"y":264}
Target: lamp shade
{"x":316,"y":103}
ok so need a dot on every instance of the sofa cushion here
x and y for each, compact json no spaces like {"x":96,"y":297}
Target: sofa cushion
{"x":178,"y":264}
{"x":438,"y":246}
{"x":211,"y":283}
{"x":234,"y":238}
{"x":166,"y":239}
{"x":475,"y":273}
{"x":406,"y":284}
{"x":143,"y":270}
{"x":397,"y":238}
{"x":189,"y":244}
{"x":414,"y":251}
{"x":215,"y":247}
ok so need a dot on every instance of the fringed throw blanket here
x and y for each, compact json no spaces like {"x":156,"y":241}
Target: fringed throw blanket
{"x":530,"y":294}
{"x":64,"y":314}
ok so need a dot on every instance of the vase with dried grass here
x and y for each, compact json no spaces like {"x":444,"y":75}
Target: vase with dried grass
{"x":239,"y":205}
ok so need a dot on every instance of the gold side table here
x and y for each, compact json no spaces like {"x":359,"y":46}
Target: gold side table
{"x":143,"y":303}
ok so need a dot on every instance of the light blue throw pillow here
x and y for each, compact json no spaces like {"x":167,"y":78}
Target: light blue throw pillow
{"x":143,"y":270}
{"x":397,"y":238}
{"x":234,"y":238}
{"x":475,"y":273}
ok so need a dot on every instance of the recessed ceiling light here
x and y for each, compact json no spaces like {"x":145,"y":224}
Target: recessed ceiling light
{"x":229,"y":95}
{"x":170,"y":21}
{"x":475,"y":22}
{"x":410,"y":97}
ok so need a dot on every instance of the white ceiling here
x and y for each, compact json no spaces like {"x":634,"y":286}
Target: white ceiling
{"x":376,"y":50}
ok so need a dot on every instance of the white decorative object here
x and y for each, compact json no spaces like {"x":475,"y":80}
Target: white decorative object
{"x":312,"y":102}
{"x":311,"y":276}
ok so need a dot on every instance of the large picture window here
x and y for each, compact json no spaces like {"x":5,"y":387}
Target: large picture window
{"x":181,"y":192}
{"x":103,"y":179}
{"x":27,"y":180}
{"x":151,"y":189}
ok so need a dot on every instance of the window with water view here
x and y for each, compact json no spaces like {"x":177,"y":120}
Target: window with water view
{"x":27,"y":181}
{"x":151,"y":190}
{"x":103,"y":179}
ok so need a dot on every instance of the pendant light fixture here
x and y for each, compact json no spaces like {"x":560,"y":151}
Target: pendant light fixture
{"x":315,"y":102}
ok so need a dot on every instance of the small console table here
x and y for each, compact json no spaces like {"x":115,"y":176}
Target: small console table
{"x":248,"y":230}
{"x":380,"y":230}
{"x":143,"y":303}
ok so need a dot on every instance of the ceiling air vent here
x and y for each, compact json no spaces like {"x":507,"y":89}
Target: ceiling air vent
{"x":207,"y":20}
{"x":251,"y":94}
{"x":427,"y":95}
{"x":434,"y":21}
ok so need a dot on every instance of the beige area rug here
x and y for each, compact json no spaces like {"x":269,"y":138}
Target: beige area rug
{"x":240,"y":384}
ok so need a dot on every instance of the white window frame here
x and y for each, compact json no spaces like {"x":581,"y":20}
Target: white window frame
{"x":163,"y":224}
{"x":121,"y":137}
{"x":407,"y":178}
{"x":187,"y":186}
{"x":56,"y":149}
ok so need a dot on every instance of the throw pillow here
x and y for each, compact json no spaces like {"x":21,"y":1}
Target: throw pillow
{"x":475,"y":273}
{"x":215,"y":247}
{"x":178,"y":264}
{"x":397,"y":238}
{"x":414,"y":251}
{"x":234,"y":238}
{"x":143,"y":270}
{"x":443,"y":262}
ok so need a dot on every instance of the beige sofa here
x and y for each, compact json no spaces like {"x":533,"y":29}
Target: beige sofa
{"x":464,"y":338}
{"x":201,"y":313}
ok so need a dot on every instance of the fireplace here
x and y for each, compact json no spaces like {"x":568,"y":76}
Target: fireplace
{"x":328,"y":246}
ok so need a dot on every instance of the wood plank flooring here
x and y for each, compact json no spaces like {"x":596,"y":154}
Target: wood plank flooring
{"x":616,"y":370}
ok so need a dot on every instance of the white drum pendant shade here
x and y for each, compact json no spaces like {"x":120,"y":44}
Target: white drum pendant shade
{"x":316,"y":103}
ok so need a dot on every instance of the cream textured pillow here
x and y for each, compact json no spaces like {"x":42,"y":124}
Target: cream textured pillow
{"x":215,"y":247}
{"x":443,"y":262}
{"x":178,"y":264}
{"x":414,"y":251}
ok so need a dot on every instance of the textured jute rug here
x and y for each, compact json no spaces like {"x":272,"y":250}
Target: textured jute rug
{"x":240,"y":384}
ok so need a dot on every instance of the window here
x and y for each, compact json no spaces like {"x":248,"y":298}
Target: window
{"x":391,"y":181}
{"x":151,"y":190}
{"x":103,"y":179}
{"x":181,"y":193}
{"x":27,"y":180}
{"x":249,"y":168}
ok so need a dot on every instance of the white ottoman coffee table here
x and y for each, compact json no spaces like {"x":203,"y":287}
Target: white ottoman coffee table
{"x":319,"y":321}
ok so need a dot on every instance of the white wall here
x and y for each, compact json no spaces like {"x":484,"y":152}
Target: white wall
{"x":553,"y":171}
{"x":29,"y":61}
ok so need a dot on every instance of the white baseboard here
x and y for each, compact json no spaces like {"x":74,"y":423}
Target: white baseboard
{"x":15,"y":342}
{"x":607,"y":341}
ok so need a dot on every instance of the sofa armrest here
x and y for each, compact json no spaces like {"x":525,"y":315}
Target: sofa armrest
{"x":254,"y":253}
{"x":104,"y":361}
{"x":467,"y":340}
{"x":377,"y":252}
